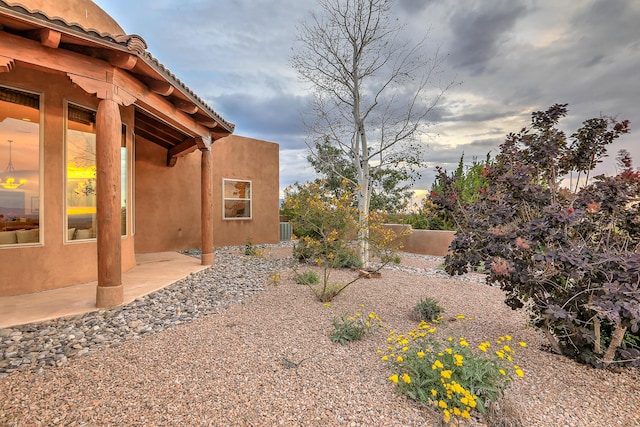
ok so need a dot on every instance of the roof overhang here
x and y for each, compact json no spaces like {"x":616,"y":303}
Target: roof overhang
{"x":113,"y":64}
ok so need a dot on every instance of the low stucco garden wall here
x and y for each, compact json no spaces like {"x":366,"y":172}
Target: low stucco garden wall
{"x":424,"y":242}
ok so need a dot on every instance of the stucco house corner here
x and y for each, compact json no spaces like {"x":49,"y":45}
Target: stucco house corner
{"x":105,"y":154}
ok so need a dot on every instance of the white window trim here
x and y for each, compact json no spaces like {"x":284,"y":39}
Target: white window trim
{"x":250,"y":199}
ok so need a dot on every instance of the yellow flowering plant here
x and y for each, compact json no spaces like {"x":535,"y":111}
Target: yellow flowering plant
{"x":448,"y":374}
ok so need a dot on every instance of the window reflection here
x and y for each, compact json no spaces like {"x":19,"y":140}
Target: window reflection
{"x":236,"y":199}
{"x":19,"y":167}
{"x":80,"y":155}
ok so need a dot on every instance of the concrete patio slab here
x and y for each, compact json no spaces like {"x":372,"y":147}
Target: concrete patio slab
{"x":153,"y":271}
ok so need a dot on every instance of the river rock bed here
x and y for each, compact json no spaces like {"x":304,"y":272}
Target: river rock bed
{"x":232,"y":278}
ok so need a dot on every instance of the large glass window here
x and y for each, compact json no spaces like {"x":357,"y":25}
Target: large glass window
{"x":81,"y":174}
{"x":19,"y":167}
{"x":80,"y":157}
{"x":236,"y":199}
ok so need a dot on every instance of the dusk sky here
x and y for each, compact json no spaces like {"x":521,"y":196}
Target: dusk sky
{"x":508,"y":57}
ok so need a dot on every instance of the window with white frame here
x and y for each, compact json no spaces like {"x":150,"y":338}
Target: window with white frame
{"x":236,"y":199}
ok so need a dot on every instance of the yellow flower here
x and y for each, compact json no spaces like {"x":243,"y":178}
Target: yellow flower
{"x":502,"y":372}
{"x":507,"y":349}
{"x":522,"y":344}
{"x":393,"y":378}
{"x":465,"y":414}
{"x":459,"y":358}
{"x":351,"y":318}
{"x":446,"y":416}
{"x":434,"y":392}
{"x":442,"y":404}
{"x":327,"y":304}
{"x":405,"y":348}
{"x":463,"y":342}
{"x":450,"y":339}
{"x":446,"y":374}
{"x":448,"y":350}
{"x":456,"y":411}
{"x":437,"y":365}
{"x":460,"y":316}
{"x":406,"y":378}
{"x":500,"y":354}
{"x":508,"y":337}
{"x":400,"y":359}
{"x":385,"y":358}
{"x":519,"y":373}
{"x":367,"y":324}
{"x":420,"y":354}
{"x":372,"y":315}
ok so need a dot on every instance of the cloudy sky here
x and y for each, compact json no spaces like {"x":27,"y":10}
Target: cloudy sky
{"x":509,"y":58}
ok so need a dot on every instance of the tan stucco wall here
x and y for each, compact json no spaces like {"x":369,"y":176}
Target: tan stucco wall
{"x":167,"y":200}
{"x":53,"y":263}
{"x":168,"y":214}
{"x":242,"y":158}
{"x":424,"y":242}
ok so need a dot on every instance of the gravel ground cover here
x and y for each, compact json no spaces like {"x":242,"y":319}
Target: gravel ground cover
{"x":230,"y":347}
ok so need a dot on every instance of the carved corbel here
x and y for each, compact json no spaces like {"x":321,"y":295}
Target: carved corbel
{"x":103,"y":89}
{"x":6,"y":64}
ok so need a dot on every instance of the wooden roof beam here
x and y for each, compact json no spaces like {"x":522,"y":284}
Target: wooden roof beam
{"x":123,"y":60}
{"x":185,"y":147}
{"x":18,"y":48}
{"x":185,"y":107}
{"x":47,"y":37}
{"x":161,"y":87}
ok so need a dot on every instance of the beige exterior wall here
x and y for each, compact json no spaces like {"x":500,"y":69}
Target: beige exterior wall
{"x":241,"y":158}
{"x":424,"y":242}
{"x":53,"y":263}
{"x":167,"y":199}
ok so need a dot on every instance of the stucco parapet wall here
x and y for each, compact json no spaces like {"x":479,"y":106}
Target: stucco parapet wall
{"x":423,"y":242}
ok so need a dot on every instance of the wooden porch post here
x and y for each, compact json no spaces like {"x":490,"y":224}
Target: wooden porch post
{"x":110,"y":290}
{"x":206,"y":215}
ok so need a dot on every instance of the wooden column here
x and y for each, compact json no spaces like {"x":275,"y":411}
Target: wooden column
{"x":110,"y":290}
{"x":206,"y":215}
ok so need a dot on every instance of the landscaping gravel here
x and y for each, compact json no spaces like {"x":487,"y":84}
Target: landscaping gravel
{"x":231,"y":346}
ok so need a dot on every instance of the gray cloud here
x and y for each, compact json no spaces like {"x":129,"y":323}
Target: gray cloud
{"x":511,"y":56}
{"x":478,"y":32}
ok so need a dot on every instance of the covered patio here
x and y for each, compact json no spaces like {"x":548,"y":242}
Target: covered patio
{"x":153,"y":271}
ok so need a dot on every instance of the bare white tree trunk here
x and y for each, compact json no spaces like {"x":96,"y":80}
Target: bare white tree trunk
{"x":370,"y":91}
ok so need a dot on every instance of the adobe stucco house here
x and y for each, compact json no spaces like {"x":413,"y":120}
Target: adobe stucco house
{"x":104,"y":154}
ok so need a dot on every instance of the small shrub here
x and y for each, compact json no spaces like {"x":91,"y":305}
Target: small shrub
{"x":250,"y":249}
{"x":352,"y":328}
{"x":307,"y":278}
{"x":427,"y":309}
{"x":447,"y":374}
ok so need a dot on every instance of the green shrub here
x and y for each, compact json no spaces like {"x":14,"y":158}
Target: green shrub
{"x":352,"y":328}
{"x":427,"y":309}
{"x":307,"y":278}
